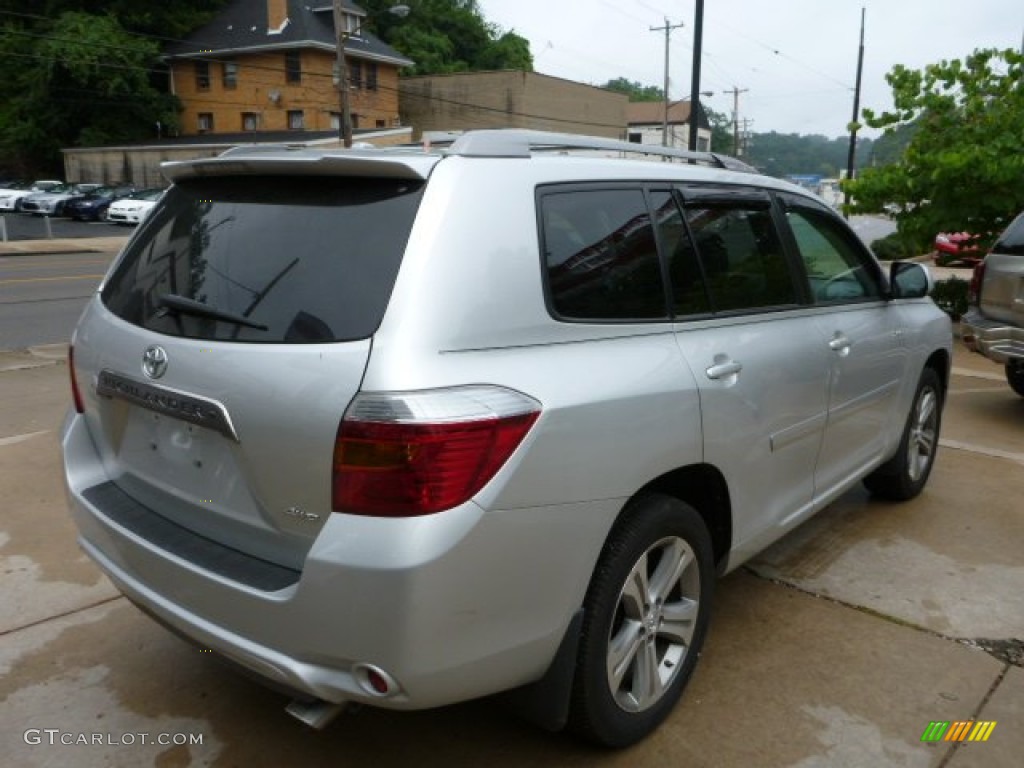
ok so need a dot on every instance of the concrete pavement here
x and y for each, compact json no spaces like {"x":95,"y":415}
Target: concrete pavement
{"x":836,"y":647}
{"x":64,"y":245}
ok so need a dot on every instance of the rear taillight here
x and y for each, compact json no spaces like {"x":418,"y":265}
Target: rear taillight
{"x":76,"y":395}
{"x":977,"y":278}
{"x":402,"y":454}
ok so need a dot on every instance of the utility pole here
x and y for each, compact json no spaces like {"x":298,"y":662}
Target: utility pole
{"x":852,"y":156}
{"x":745,"y":135}
{"x":667,"y":29}
{"x":736,"y":91}
{"x":341,"y":34}
{"x":698,"y":44}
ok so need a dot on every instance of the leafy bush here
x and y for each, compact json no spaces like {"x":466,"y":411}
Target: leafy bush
{"x":951,"y":296}
{"x":892,"y":247}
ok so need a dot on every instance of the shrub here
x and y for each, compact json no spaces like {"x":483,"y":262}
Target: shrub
{"x":951,"y":296}
{"x":892,"y":247}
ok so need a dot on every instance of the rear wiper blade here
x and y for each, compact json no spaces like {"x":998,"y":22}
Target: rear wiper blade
{"x":192,"y":307}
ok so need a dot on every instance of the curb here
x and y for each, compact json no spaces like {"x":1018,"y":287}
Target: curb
{"x":62,"y":245}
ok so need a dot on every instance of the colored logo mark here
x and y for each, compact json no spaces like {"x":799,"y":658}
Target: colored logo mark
{"x":958,"y":730}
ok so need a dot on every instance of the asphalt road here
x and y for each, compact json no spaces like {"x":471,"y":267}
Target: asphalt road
{"x":42,"y":296}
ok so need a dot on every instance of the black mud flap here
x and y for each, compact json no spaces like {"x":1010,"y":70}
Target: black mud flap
{"x":545,"y":703}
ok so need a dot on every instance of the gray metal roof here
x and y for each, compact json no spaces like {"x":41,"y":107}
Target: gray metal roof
{"x":243,"y":27}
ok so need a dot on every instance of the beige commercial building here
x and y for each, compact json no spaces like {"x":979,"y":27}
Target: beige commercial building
{"x":510,"y":99}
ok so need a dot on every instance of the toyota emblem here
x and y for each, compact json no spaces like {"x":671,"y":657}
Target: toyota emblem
{"x":154,"y":362}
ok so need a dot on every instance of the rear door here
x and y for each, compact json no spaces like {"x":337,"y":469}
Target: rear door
{"x":228,"y":341}
{"x":761,"y":366}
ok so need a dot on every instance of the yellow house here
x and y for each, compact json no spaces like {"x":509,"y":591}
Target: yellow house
{"x":270,"y":65}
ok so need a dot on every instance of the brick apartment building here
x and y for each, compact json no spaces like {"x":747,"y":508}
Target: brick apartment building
{"x":270,"y":65}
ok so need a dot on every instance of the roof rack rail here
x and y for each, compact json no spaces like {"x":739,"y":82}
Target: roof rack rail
{"x":253,"y":148}
{"x":512,"y":142}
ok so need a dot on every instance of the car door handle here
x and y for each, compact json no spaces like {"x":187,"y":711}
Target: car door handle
{"x":723,"y":370}
{"x":840,"y":344}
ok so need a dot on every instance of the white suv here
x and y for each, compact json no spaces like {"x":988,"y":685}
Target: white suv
{"x":406,"y":428}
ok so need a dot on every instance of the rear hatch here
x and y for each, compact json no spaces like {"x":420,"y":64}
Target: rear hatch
{"x":228,"y":340}
{"x":1002,"y":292}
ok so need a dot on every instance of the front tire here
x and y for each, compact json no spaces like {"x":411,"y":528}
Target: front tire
{"x":1015,"y":376}
{"x":905,"y":474}
{"x":645,"y":618}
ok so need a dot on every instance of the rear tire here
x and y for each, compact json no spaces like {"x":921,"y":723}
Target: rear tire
{"x":905,"y":474}
{"x":645,"y":618}
{"x":1015,"y":376}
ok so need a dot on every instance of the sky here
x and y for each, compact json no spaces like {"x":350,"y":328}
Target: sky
{"x":796,"y":58}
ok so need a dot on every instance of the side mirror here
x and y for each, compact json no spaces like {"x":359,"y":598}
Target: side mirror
{"x":909,"y":280}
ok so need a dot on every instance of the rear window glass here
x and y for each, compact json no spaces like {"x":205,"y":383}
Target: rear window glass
{"x":305,"y":259}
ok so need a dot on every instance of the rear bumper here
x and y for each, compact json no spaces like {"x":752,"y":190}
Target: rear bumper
{"x":452,"y":606}
{"x":996,"y":340}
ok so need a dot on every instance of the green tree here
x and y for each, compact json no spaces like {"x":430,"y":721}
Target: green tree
{"x":963,"y":169}
{"x":84,"y":73}
{"x":636,"y":90}
{"x":721,"y":131}
{"x":448,"y":36}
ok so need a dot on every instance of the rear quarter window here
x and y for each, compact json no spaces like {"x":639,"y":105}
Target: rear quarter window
{"x":601,"y":256}
{"x":310,"y":259}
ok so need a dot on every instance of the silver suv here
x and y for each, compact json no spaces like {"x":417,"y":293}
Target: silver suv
{"x":406,"y":428}
{"x":994,"y":325}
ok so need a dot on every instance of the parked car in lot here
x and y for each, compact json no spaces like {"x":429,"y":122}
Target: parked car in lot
{"x":958,"y":248}
{"x":11,"y":197}
{"x":93,"y":206}
{"x":994,"y":324}
{"x":133,"y":208}
{"x":410,"y":428}
{"x":51,"y":202}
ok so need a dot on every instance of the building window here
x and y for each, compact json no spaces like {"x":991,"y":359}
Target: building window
{"x":382,"y":123}
{"x":205,"y":122}
{"x":703,"y":144}
{"x":293,"y":66}
{"x":355,"y":122}
{"x":296,"y":122}
{"x":202,"y":75}
{"x":636,"y":138}
{"x":353,"y":24}
{"x":250,"y":121}
{"x":230,"y":75}
{"x":335,"y":121}
{"x":355,"y":74}
{"x":371,"y":76}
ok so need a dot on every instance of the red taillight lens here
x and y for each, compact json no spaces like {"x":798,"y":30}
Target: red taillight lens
{"x":406,"y":454}
{"x":977,"y":278}
{"x":75,"y":393}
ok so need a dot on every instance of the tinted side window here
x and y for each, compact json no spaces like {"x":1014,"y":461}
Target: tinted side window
{"x":688,"y":294}
{"x":310,"y":259}
{"x":1012,"y":240}
{"x":836,"y":266}
{"x":742,"y":256}
{"x":600,"y":255}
